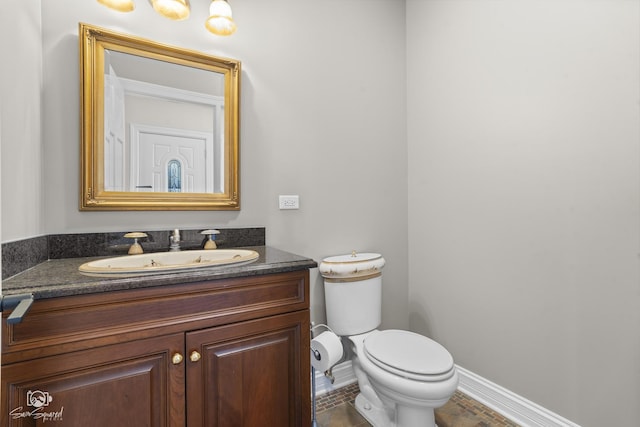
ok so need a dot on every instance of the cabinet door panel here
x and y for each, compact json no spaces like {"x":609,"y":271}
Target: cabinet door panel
{"x":132,"y":384}
{"x":251,"y":374}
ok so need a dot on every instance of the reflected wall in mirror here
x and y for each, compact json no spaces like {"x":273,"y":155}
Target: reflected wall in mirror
{"x":159,"y":126}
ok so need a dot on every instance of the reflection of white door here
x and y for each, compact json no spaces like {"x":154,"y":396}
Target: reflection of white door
{"x":114,"y":135}
{"x":159,"y":154}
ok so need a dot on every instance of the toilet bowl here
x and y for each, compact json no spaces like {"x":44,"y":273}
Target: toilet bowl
{"x":403,"y":376}
{"x":410,"y":374}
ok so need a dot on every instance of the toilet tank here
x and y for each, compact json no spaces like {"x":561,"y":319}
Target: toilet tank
{"x":353,"y":292}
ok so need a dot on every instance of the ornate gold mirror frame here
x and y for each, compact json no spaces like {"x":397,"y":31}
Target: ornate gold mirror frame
{"x":95,"y":43}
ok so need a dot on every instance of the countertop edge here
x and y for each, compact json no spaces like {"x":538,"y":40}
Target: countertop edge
{"x":60,"y":278}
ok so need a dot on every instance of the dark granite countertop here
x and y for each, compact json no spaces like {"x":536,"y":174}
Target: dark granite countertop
{"x":60,"y":277}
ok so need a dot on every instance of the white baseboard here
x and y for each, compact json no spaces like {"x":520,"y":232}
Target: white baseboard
{"x":512,"y":406}
{"x":343,"y":375}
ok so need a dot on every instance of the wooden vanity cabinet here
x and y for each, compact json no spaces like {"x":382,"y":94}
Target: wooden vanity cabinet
{"x":248,"y":374}
{"x":225,"y":353}
{"x":128,"y":384}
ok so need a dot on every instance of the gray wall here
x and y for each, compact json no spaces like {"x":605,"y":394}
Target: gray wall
{"x":524,"y":185}
{"x":520,"y":131}
{"x":21,"y":117}
{"x":322,"y":116}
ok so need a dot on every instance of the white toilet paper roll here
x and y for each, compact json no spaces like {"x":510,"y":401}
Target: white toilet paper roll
{"x":326,"y":351}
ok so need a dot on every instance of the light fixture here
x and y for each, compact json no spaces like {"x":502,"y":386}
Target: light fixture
{"x":220,"y":21}
{"x":119,"y":5}
{"x":172,"y":9}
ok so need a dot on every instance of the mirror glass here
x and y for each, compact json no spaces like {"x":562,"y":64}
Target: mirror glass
{"x":160,"y":126}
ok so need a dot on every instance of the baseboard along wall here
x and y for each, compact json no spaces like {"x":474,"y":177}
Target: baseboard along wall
{"x":511,"y":405}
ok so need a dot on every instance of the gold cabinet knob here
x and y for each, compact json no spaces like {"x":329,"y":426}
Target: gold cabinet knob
{"x":176,"y":359}
{"x":194,"y":356}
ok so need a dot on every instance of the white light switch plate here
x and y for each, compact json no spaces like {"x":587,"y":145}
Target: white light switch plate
{"x":289,"y":202}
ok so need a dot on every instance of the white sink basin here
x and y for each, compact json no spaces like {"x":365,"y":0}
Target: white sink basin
{"x":166,"y":262}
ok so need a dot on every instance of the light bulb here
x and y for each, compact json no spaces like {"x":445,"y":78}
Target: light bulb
{"x":172,"y":9}
{"x":220,"y":20}
{"x":119,"y":5}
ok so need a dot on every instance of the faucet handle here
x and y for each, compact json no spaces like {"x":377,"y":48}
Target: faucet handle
{"x":135,"y":247}
{"x":211,"y":241}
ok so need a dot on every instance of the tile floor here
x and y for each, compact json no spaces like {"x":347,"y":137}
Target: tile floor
{"x":336,"y":409}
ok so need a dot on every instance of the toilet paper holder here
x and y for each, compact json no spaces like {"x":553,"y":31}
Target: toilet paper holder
{"x":329,"y":372}
{"x":317,"y":355}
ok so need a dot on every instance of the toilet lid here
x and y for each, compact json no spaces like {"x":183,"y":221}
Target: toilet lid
{"x":354,"y":266}
{"x":407,"y":352}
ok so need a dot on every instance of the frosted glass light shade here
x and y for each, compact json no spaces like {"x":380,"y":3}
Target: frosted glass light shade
{"x":119,"y":5}
{"x":220,"y":21}
{"x":172,"y":9}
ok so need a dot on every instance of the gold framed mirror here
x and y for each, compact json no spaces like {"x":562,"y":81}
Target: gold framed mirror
{"x":159,"y":125}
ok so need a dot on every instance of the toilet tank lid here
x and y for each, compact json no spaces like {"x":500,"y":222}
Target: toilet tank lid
{"x":352,"y":265}
{"x":409,"y":352}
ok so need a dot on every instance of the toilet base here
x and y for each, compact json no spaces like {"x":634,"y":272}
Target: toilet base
{"x":380,"y":417}
{"x":376,"y":416}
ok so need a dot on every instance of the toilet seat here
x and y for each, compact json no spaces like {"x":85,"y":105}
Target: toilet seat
{"x":409,"y":355}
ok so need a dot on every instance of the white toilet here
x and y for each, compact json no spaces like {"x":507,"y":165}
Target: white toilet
{"x":403,"y":376}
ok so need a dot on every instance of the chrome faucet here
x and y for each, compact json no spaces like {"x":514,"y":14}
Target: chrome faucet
{"x":174,"y":238}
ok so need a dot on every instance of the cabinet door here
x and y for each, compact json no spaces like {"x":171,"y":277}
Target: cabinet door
{"x":250,"y":374}
{"x":131,"y":384}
